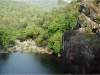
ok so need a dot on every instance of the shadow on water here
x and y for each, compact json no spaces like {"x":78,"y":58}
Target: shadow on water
{"x":4,"y":56}
{"x":50,"y":61}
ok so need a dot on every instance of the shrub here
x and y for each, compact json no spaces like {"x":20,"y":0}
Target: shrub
{"x":55,"y":42}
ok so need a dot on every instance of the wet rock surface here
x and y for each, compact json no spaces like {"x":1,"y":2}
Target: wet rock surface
{"x":78,"y":55}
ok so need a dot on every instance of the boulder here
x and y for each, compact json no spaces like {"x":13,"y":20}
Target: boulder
{"x":98,"y":32}
{"x":82,"y":8}
{"x":78,"y":55}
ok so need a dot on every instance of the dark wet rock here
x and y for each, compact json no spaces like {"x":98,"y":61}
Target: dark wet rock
{"x":78,"y":55}
{"x":98,"y":32}
{"x":96,"y":52}
{"x":82,"y":8}
{"x":77,"y":25}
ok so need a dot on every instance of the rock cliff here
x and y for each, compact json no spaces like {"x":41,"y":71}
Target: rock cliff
{"x":81,"y":47}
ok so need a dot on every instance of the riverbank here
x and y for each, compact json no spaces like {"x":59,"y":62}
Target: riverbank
{"x":27,"y":46}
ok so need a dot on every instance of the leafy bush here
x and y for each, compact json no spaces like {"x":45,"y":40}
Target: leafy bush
{"x":41,"y":40}
{"x":55,"y":42}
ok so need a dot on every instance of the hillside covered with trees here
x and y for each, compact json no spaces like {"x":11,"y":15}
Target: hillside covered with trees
{"x":23,"y":21}
{"x":47,"y":4}
{"x":14,"y":17}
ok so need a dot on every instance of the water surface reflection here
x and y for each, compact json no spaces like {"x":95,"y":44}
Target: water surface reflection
{"x":29,"y":63}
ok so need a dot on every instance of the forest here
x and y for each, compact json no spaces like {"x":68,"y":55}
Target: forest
{"x":22,"y":21}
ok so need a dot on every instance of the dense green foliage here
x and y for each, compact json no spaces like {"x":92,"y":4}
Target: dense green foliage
{"x":14,"y":17}
{"x":23,"y":21}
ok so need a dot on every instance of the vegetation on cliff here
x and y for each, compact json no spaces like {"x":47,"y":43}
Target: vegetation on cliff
{"x":23,"y":21}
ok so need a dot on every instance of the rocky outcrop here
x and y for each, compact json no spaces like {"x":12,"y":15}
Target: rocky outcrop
{"x":3,"y":50}
{"x":81,"y":47}
{"x":25,"y":46}
{"x":91,"y":10}
{"x":28,"y":46}
{"x":79,"y":56}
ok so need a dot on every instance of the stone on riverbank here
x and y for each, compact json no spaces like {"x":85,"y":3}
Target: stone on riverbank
{"x":26,"y":46}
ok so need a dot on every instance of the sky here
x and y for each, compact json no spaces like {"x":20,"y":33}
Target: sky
{"x":68,"y":1}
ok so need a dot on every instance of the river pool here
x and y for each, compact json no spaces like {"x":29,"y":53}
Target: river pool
{"x":29,"y":63}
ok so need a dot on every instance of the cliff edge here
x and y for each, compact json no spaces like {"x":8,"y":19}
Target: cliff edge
{"x":81,"y":46}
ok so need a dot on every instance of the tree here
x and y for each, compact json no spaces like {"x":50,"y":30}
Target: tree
{"x":55,"y":42}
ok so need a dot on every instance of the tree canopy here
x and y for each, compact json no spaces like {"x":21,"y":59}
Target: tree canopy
{"x":22,"y":21}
